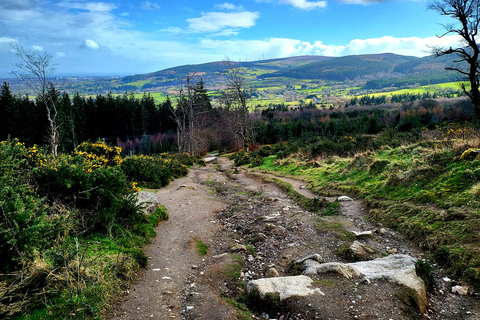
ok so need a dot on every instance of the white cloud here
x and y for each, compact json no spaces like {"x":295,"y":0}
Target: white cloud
{"x":216,"y":21}
{"x":367,"y":2}
{"x":147,"y":5}
{"x":91,"y":44}
{"x":36,"y":48}
{"x":124,"y":14}
{"x":60,"y":54}
{"x":305,"y":4}
{"x":89,"y":6}
{"x":6,"y":40}
{"x":284,"y":47}
{"x":226,"y":33}
{"x":229,"y":6}
{"x":173,"y":30}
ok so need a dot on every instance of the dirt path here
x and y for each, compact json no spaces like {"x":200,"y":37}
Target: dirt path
{"x":222,"y":209}
{"x":173,"y":253}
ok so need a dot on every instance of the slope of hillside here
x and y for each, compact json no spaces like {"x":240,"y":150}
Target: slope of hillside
{"x":344,"y":68}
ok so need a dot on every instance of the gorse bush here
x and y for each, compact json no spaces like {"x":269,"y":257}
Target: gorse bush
{"x":26,"y":224}
{"x":99,"y":154}
{"x":70,"y":228}
{"x":157,"y":171}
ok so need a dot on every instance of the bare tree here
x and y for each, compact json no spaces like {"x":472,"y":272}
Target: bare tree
{"x":35,"y":71}
{"x":188,"y":116}
{"x":467,"y":14}
{"x":234,"y":101}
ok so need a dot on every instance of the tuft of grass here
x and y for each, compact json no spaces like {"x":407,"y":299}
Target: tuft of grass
{"x":241,"y":308}
{"x":202,"y":248}
{"x":234,"y":268}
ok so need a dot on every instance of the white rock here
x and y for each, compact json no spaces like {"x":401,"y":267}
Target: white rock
{"x":238,"y":248}
{"x":315,"y":257}
{"x":461,"y":290}
{"x":210,"y":159}
{"x":344,"y":198}
{"x":360,"y":234}
{"x":397,"y":268}
{"x":284,"y":287}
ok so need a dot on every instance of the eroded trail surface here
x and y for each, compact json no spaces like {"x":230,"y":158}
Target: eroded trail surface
{"x":254,"y":230}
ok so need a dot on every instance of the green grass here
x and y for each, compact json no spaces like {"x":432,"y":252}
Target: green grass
{"x":202,"y":248}
{"x":419,"y":189}
{"x":421,"y":89}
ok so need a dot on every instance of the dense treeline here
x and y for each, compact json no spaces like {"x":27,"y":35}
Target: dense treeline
{"x":402,"y":97}
{"x":119,"y":119}
{"x":308,"y":123}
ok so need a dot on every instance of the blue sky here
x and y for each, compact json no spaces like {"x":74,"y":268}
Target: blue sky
{"x":122,"y":37}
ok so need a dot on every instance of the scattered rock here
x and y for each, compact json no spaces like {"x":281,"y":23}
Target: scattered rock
{"x":284,"y":287}
{"x":461,"y":290}
{"x":360,"y":234}
{"x":392,"y":251}
{"x":344,"y":198}
{"x":272,"y":272}
{"x":360,"y":251}
{"x":383,"y":231}
{"x":238,"y":248}
{"x":315,"y":257}
{"x":210,"y":160}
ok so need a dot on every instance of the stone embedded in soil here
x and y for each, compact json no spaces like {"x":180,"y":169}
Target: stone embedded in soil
{"x":238,"y":248}
{"x":315,"y":257}
{"x":283,"y":287}
{"x":397,"y":268}
{"x":361,"y":251}
{"x":360,"y":234}
{"x":461,"y":290}
{"x":344,"y":198}
{"x":148,"y":201}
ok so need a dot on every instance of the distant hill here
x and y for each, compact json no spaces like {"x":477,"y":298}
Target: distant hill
{"x":210,"y":71}
{"x":345,"y":68}
{"x":374,"y":71}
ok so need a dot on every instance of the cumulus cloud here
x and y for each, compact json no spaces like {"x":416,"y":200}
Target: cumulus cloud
{"x":89,"y":6}
{"x":147,"y":5}
{"x":283,"y":47}
{"x":36,"y":48}
{"x":6,"y":40}
{"x":365,"y":2}
{"x":305,"y":4}
{"x":91,"y":44}
{"x":216,"y":21}
{"x":229,"y":6}
{"x":172,"y":30}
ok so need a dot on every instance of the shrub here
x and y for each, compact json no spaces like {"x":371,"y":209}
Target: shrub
{"x":146,"y":171}
{"x":99,"y":153}
{"x":26,"y":223}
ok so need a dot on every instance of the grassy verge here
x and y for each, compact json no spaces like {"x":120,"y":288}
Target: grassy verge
{"x":421,"y":189}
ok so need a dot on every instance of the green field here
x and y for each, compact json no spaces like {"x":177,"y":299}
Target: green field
{"x":422,"y":89}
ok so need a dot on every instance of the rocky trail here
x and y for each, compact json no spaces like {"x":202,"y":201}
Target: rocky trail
{"x":261,"y":244}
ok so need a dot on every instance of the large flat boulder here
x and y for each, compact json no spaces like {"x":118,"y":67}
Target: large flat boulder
{"x":283,"y":287}
{"x":397,"y":268}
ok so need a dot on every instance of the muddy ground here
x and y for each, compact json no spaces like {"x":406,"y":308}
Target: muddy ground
{"x":223,"y":207}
